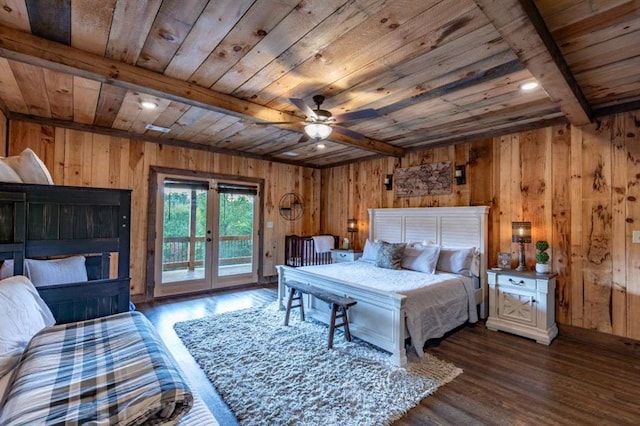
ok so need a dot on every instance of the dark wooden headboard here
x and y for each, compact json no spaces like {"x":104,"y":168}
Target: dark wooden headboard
{"x":40,"y":221}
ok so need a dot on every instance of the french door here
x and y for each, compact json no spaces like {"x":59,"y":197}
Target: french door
{"x":206,"y":234}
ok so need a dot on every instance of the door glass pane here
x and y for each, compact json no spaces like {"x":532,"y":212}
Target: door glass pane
{"x":236,"y":231}
{"x":184,"y":231}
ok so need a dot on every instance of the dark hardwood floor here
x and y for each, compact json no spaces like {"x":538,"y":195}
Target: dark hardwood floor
{"x":507,"y":380}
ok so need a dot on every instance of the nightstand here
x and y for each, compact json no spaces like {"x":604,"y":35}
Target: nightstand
{"x":523,"y":303}
{"x":340,"y":256}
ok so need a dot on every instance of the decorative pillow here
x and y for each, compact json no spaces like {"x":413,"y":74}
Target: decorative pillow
{"x":421,"y":258}
{"x":30,"y":168}
{"x":7,"y":174}
{"x":370,"y":252}
{"x":24,"y":313}
{"x":56,"y":271}
{"x":456,"y":260}
{"x":6,"y":270}
{"x":475,"y":264}
{"x":390,"y":255}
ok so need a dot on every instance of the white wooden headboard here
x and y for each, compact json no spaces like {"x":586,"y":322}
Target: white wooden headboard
{"x":447,"y":226}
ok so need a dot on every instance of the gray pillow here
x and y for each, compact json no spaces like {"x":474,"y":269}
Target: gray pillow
{"x":6,"y":270}
{"x":56,"y":271}
{"x":421,"y":258}
{"x":370,"y":252}
{"x":456,"y":260}
{"x":390,"y":255}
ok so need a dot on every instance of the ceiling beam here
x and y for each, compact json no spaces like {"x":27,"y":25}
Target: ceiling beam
{"x":108,"y":131}
{"x":27,"y":48}
{"x":617,"y":109}
{"x":520,"y":24}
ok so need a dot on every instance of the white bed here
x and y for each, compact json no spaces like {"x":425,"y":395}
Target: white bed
{"x":381,"y":317}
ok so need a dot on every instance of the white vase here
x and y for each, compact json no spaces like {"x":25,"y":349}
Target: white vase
{"x":543,"y":268}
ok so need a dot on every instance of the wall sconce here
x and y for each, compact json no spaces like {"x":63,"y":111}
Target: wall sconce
{"x":460,"y":175}
{"x":388,"y":182}
{"x":521,"y":234}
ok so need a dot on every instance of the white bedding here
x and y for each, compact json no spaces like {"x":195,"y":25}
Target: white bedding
{"x":435,"y":304}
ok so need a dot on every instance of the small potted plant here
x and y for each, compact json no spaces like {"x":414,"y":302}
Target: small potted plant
{"x":542,"y":257}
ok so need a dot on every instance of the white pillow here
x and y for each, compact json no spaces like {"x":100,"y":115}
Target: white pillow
{"x":24,"y":313}
{"x":421,"y":258}
{"x":56,"y":271}
{"x":6,"y":270}
{"x":370,"y":252}
{"x":456,"y":260}
{"x":30,"y":168}
{"x":7,"y":174}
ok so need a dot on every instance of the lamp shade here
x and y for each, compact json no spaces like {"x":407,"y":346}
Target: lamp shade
{"x":521,"y":232}
{"x":317,"y":131}
{"x":352,"y":225}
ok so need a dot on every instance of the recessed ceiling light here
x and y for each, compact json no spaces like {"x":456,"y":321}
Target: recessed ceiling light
{"x":148,"y":105}
{"x":290,"y":154}
{"x":157,"y":128}
{"x":321,"y":145}
{"x":529,"y":85}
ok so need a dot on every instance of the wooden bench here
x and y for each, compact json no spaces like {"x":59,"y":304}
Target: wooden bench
{"x":339,"y":306}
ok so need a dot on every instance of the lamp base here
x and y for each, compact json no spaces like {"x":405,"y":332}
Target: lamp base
{"x":352,"y":242}
{"x":521,"y":261}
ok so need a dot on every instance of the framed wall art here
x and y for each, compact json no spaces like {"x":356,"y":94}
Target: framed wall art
{"x":504,"y":260}
{"x":425,"y":179}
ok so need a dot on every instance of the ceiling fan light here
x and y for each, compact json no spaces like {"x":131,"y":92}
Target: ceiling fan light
{"x":317,"y":131}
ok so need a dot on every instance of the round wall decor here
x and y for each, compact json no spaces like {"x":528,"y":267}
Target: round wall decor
{"x":290,"y":206}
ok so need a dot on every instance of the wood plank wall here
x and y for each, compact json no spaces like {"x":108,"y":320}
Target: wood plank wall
{"x":3,"y":134}
{"x":578,"y":186}
{"x":87,"y":159}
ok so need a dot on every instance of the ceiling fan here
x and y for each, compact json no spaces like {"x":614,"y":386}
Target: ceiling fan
{"x":319,"y":123}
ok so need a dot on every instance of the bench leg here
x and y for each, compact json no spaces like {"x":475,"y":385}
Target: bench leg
{"x":289,"y":302}
{"x":347,"y":332}
{"x":292,"y":297}
{"x":332,"y":324}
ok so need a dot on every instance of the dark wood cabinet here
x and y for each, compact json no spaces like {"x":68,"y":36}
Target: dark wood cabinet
{"x":43,"y":221}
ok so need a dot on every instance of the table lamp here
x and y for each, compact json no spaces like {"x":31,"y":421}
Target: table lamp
{"x":521,"y":233}
{"x":352,"y":228}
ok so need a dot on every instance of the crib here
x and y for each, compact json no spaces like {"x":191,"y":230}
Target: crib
{"x":300,"y":251}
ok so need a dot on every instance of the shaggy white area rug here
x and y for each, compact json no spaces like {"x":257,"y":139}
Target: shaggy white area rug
{"x":270,"y":374}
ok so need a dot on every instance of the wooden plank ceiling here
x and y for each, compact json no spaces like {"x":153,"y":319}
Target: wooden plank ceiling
{"x":436,"y":71}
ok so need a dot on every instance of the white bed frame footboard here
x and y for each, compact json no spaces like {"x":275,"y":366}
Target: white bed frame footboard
{"x":379,"y":317}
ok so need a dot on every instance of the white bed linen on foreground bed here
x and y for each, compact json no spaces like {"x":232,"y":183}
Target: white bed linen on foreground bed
{"x":436,"y":303}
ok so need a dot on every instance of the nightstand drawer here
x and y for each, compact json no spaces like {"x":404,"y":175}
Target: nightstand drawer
{"x":518,"y":282}
{"x":339,"y":256}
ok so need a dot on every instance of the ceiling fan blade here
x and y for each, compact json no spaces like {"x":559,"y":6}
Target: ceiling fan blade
{"x":266,"y":123}
{"x":302,"y":106}
{"x":347,"y":132}
{"x":303,"y":138}
{"x":356,"y":115}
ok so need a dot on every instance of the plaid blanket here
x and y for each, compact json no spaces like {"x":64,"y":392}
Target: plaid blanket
{"x":112,"y":370}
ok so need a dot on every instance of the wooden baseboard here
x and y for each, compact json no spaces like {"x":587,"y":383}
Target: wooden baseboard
{"x":270,"y":279}
{"x":618,"y":344}
{"x":140,"y":298}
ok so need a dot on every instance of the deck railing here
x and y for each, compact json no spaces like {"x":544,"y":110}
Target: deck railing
{"x":188,"y":252}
